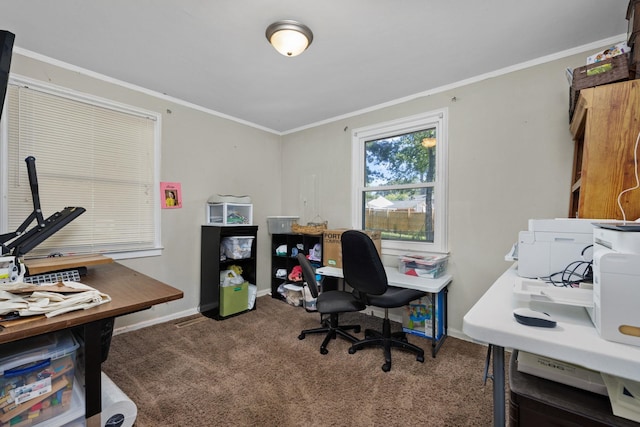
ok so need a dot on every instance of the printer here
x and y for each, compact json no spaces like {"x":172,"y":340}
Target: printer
{"x":550,"y":245}
{"x":616,"y":285}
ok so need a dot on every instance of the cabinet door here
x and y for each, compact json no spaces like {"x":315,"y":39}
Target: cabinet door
{"x":605,"y":136}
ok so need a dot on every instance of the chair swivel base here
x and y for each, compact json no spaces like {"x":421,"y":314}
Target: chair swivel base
{"x":333,"y":330}
{"x":387,"y":340}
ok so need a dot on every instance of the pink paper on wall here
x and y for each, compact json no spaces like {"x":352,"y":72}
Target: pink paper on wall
{"x":170,"y":195}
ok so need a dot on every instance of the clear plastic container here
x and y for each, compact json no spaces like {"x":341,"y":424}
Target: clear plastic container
{"x":281,"y":224}
{"x":236,"y":247}
{"x":431,"y":266}
{"x":37,"y":378}
{"x":229,"y":213}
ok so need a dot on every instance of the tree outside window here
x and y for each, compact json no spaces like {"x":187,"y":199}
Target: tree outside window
{"x":399,"y":181}
{"x":399,"y":178}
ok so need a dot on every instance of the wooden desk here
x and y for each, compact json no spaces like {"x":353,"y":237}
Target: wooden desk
{"x":430,"y":286}
{"x":574,"y":339}
{"x":129,"y":290}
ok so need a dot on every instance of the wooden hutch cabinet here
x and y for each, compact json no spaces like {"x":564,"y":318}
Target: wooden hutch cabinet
{"x":605,"y":127}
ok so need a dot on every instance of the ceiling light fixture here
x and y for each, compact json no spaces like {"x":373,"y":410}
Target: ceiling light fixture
{"x":290,"y":38}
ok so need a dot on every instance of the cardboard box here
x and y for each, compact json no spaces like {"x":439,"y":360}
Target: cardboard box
{"x":418,"y":316}
{"x":561,"y":372}
{"x":332,"y":245}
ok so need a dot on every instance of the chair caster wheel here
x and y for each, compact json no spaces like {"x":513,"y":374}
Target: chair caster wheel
{"x":301,"y":336}
{"x":356,"y":329}
{"x":386,"y":367}
{"x":323,"y":350}
{"x":420,"y":359}
{"x":352,"y":350}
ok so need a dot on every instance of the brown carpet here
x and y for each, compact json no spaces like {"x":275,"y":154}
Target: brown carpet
{"x":252,"y":370}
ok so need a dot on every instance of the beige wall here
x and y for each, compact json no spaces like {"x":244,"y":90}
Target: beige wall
{"x":510,"y":157}
{"x":207,"y":155}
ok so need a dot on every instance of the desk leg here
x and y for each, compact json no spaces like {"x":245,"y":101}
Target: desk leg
{"x":436,"y":344}
{"x":93,"y":372}
{"x":498,"y":387}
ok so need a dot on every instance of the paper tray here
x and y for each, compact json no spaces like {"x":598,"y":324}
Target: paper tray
{"x":537,"y":290}
{"x":570,"y":296}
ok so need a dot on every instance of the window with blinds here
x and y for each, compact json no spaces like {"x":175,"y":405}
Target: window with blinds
{"x":89,"y":153}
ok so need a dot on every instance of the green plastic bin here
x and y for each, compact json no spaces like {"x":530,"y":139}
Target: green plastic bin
{"x":234,"y":299}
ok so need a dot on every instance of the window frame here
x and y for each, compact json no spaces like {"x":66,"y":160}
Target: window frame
{"x":91,"y":100}
{"x":439,"y":120}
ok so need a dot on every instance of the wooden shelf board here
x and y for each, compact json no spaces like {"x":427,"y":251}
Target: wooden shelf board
{"x":45,"y":265}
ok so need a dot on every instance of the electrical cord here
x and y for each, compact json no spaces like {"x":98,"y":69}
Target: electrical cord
{"x":570,"y":276}
{"x":635,"y":162}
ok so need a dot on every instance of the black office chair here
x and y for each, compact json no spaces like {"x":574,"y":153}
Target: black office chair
{"x":332,"y":303}
{"x":364,"y":272}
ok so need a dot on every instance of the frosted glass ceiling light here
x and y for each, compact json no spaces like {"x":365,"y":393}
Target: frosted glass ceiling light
{"x":290,"y":38}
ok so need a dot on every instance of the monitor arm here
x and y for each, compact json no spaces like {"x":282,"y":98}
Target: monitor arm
{"x":21,"y":241}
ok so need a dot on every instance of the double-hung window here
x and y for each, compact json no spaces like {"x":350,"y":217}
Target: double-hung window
{"x":90,"y":153}
{"x":399,"y":181}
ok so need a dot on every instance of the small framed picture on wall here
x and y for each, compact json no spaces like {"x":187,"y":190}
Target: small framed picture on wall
{"x":170,"y":195}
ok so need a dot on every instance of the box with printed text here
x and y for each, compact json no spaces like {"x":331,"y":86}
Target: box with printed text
{"x":332,"y":245}
{"x":418,"y":316}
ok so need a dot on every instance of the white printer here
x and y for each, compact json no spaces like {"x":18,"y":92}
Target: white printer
{"x":550,"y":245}
{"x":616,"y":285}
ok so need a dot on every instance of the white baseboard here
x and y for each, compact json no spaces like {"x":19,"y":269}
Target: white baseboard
{"x":370,"y":310}
{"x":155,"y":321}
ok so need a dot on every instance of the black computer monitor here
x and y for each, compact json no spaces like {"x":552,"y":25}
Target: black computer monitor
{"x":6,"y":49}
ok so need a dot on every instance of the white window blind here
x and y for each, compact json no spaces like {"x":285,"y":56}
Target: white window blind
{"x":89,"y":154}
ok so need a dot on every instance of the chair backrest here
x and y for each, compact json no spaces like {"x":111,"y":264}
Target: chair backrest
{"x":308,"y":274}
{"x":361,"y":264}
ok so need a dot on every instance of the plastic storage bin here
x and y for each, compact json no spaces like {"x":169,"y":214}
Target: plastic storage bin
{"x":281,"y":224}
{"x":37,"y":378}
{"x":234,"y":299}
{"x":236,"y":247}
{"x":430,"y":266}
{"x":229,"y":213}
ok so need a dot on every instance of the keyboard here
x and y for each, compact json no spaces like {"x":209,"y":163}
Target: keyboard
{"x":72,"y":275}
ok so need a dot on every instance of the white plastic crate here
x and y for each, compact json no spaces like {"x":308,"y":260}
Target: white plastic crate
{"x":229,"y":213}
